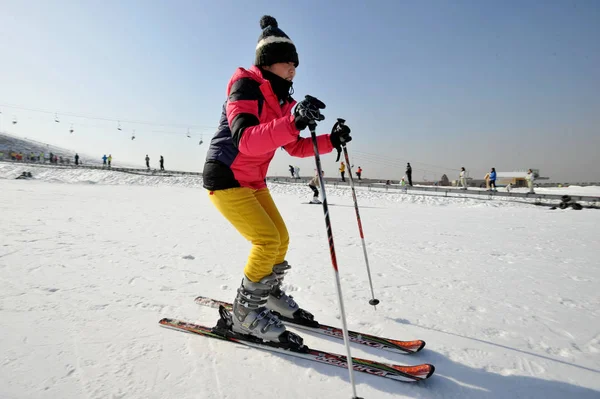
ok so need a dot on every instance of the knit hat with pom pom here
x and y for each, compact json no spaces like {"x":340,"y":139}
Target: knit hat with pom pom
{"x":274,"y":45}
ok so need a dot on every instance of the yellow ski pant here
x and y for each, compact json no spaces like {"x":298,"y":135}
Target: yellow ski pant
{"x":256,"y":217}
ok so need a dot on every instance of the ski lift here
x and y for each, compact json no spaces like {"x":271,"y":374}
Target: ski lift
{"x":71,"y":129}
{"x":56,"y":118}
{"x":14,"y":121}
{"x":119,"y":125}
{"x":188,"y":134}
{"x":133,"y":135}
{"x":201,"y":141}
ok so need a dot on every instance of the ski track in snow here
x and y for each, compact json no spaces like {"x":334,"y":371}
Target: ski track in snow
{"x":505,"y":294}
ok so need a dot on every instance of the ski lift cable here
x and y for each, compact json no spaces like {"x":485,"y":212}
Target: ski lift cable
{"x":147,"y":123}
{"x":99,"y":126}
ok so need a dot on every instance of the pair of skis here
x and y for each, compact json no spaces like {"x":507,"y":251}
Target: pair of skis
{"x":392,"y":371}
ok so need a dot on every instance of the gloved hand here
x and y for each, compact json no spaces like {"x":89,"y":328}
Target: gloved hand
{"x":307,"y":111}
{"x":340,"y":135}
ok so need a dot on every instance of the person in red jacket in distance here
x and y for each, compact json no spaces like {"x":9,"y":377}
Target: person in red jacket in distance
{"x":256,"y":120}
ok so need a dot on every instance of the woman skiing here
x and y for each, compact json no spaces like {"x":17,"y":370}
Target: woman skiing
{"x":256,"y":120}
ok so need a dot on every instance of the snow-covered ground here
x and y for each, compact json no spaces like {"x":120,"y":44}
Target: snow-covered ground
{"x":505,"y":294}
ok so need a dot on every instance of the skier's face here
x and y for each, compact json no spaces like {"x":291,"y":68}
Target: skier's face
{"x":285,"y":70}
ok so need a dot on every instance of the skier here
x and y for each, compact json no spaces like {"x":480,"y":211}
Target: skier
{"x":147,"y":162}
{"x":403,"y":185}
{"x":162,"y":163}
{"x":109,"y":159}
{"x":463,"y":178}
{"x":409,"y":173}
{"x":530,"y":178}
{"x":255,"y":122}
{"x":314,"y":182}
{"x":359,"y":172}
{"x":493,"y":179}
{"x":342,"y":170}
{"x":76,"y":159}
{"x":291,"y":170}
{"x":297,"y":171}
{"x":104,"y":159}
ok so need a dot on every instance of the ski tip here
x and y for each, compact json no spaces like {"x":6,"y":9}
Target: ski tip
{"x":430,"y":372}
{"x":409,"y":346}
{"x":419,"y":372}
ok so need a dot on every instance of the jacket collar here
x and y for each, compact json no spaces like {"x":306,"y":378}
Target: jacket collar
{"x":270,"y":97}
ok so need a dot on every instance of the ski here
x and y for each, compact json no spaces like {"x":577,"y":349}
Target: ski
{"x":392,"y":371}
{"x":372,"y":341}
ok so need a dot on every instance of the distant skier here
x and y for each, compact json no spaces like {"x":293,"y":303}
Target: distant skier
{"x":297,"y":171}
{"x":109,"y":159}
{"x":530,"y":179}
{"x":359,"y":172}
{"x":76,"y":159}
{"x":147,"y":162}
{"x":463,"y":178}
{"x":409,"y":173}
{"x":342,"y":170}
{"x":313,"y":184}
{"x":235,"y":170}
{"x":162,"y":163}
{"x":493,"y":179}
{"x":291,"y":170}
{"x":104,"y":158}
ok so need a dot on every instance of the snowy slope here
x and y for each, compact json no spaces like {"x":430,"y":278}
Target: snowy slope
{"x":505,"y":294}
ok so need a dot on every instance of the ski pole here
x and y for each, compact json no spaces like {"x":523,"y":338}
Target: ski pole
{"x":373,"y":301}
{"x":313,"y":135}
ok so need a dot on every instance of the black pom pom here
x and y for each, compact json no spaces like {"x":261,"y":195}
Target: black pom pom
{"x":268,"y":20}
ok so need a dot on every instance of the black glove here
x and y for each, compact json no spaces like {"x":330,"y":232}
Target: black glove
{"x":307,"y":112}
{"x":340,"y":135}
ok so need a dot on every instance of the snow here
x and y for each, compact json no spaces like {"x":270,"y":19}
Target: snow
{"x":505,"y":294}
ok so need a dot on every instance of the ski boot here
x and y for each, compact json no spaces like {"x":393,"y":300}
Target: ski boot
{"x":283,"y":304}
{"x":315,"y":200}
{"x":251,"y":317}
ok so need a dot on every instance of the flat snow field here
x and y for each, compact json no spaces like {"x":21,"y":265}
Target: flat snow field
{"x":506,"y":295}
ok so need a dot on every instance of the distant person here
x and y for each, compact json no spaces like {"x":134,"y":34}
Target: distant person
{"x":162,"y":163}
{"x":508,"y":187}
{"x":291,"y":168}
{"x":76,"y":159}
{"x":109,"y":159}
{"x":463,"y":178}
{"x":313,"y":183}
{"x":409,"y":173}
{"x":493,"y":179}
{"x":403,"y":185}
{"x":297,"y":171}
{"x":359,"y":172}
{"x":147,"y":162}
{"x":343,"y":170}
{"x":530,"y":179}
{"x":104,"y":158}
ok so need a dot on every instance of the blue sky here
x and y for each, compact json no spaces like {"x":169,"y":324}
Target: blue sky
{"x":512,"y":84}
